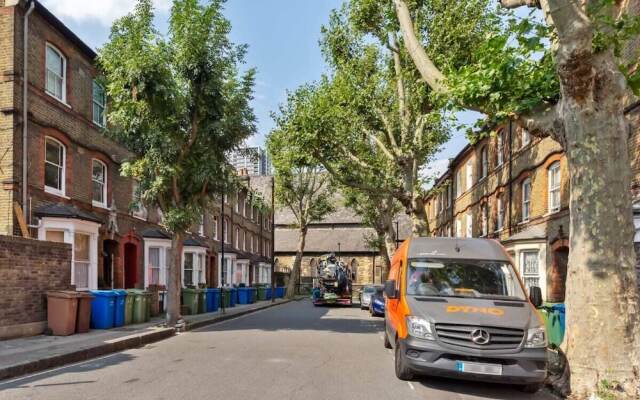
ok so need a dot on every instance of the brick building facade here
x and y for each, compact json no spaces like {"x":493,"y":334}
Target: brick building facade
{"x":513,"y":187}
{"x":74,"y":191}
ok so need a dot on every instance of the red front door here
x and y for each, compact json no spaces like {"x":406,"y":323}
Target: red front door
{"x":130,"y":265}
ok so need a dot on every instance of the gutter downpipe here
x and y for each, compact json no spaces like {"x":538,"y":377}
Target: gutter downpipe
{"x":510,"y":172}
{"x":25,"y":104}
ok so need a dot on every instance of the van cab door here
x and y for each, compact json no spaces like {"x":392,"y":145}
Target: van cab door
{"x":392,"y":314}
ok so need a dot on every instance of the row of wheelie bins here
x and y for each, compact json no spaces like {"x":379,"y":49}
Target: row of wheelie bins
{"x":118,"y":307}
{"x":553,"y":315}
{"x":198,"y":301}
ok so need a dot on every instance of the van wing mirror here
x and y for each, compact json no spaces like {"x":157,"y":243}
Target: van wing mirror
{"x":535,"y":296}
{"x":390,"y":289}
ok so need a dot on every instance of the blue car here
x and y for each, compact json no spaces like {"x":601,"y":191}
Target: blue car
{"x":376,"y":306}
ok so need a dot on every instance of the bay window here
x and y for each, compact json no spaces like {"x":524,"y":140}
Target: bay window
{"x":529,"y":262}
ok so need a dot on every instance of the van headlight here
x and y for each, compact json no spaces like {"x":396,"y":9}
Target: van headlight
{"x":536,"y":338}
{"x":419,"y":327}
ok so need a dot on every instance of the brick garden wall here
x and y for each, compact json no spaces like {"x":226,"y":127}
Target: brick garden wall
{"x":29,"y":268}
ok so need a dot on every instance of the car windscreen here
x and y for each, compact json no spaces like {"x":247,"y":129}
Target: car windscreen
{"x":463,"y":278}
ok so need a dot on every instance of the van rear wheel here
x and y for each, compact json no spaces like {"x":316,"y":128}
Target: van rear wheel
{"x":402,"y":370}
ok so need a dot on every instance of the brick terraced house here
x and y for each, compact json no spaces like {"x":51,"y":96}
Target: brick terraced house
{"x":513,"y":187}
{"x":73,"y":191}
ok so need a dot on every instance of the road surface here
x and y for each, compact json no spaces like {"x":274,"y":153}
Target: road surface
{"x":293,"y":351}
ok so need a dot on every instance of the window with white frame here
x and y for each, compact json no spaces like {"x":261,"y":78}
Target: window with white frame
{"x":256,"y":244}
{"x":199,"y":269}
{"x":526,"y":199}
{"x":485,"y":219}
{"x":226,"y":231}
{"x":238,"y":238}
{"x":469,"y":220}
{"x":500,"y":213}
{"x":54,"y":167}
{"x":554,"y":187}
{"x":216,"y":236}
{"x":154,"y":265}
{"x":484,"y":162}
{"x":56,"y":73}
{"x":499,"y":149}
{"x":99,"y":183}
{"x":138,"y":209}
{"x":201,"y":226}
{"x":187,"y":271}
{"x":469,"y":175}
{"x":458,"y":183}
{"x":99,"y":104}
{"x":529,"y":262}
{"x":237,"y":205}
{"x":525,"y":138}
{"x":82,"y":260}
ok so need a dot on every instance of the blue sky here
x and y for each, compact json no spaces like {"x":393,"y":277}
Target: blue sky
{"x":283,"y":45}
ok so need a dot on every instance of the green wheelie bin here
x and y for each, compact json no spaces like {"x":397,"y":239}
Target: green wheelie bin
{"x":262,"y":292}
{"x":227,"y":297}
{"x":190,"y":300}
{"x":202,"y":301}
{"x":139,"y":306}
{"x":128,"y":309}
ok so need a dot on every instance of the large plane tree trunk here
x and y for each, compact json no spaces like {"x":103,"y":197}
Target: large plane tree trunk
{"x":294,"y":278}
{"x":601,"y":288}
{"x":173,"y":280}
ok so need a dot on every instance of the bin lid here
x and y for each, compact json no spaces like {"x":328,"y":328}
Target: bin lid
{"x":85,"y":295}
{"x":189,"y":290}
{"x":103,"y":293}
{"x":63,"y":294}
{"x":120,"y":292}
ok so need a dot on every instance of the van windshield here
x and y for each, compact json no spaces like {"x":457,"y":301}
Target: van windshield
{"x":463,"y":278}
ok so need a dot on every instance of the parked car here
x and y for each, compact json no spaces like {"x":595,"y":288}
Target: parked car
{"x":376,"y":306}
{"x":457,"y":308}
{"x":365,"y":296}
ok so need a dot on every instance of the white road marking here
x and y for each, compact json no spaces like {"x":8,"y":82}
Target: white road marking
{"x":411,"y":386}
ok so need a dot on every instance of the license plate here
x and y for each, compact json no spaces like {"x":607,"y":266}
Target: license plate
{"x":479,"y":368}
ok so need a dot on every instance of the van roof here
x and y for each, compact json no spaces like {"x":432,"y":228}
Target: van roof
{"x":455,"y":248}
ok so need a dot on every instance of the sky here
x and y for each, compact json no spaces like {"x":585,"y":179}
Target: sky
{"x":282,"y":36}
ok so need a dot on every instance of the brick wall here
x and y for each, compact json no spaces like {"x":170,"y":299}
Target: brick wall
{"x":29,"y":268}
{"x":7,"y":116}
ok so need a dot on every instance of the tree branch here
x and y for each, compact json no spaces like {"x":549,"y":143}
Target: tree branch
{"x":382,"y":147}
{"x":543,"y":122}
{"x":429,"y":72}
{"x":520,"y":3}
{"x":388,"y":128}
{"x":402,"y":95}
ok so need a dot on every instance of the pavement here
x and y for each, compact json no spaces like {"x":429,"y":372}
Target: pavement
{"x":294,"y":351}
{"x":37,"y":353}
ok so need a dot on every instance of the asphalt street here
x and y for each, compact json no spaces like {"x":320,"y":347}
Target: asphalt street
{"x":293,"y":351}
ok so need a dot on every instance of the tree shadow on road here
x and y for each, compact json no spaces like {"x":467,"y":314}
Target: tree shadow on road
{"x":87,"y":366}
{"x":302,"y":316}
{"x":480,"y":389}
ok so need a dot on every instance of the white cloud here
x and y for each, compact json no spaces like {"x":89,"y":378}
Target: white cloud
{"x":101,"y":11}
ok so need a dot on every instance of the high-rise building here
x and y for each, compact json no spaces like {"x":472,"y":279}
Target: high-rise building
{"x":253,"y":160}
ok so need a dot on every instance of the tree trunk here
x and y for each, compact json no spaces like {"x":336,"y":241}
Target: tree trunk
{"x":297,"y":263}
{"x":601,"y":289}
{"x":387,"y":252}
{"x":420,"y":224}
{"x":173,"y":280}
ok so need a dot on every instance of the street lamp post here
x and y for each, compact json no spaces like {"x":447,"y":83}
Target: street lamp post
{"x":222,"y":263}
{"x":273,"y":236}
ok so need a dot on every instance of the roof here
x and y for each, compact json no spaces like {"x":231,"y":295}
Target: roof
{"x":469,"y":249}
{"x":156,"y":233}
{"x":531,"y":233}
{"x":66,"y":211}
{"x":325,"y":240}
{"x":68,"y":33}
{"x":342,"y":214}
{"x":192,"y":243}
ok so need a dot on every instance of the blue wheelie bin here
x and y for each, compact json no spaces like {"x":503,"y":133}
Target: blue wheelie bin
{"x":252,"y":295}
{"x":280,"y":292}
{"x":103,"y":309}
{"x":213,"y":300}
{"x":243,"y":295}
{"x":268,"y":293}
{"x":119,"y":307}
{"x":559,"y":308}
{"x":233,"y":296}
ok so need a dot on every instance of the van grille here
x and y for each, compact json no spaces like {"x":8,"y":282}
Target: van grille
{"x":460,"y":335}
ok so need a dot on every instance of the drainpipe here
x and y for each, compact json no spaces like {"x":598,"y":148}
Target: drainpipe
{"x":25,"y":116}
{"x":510,"y":171}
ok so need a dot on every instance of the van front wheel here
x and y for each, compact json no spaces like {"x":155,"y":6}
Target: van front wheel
{"x":402,"y":370}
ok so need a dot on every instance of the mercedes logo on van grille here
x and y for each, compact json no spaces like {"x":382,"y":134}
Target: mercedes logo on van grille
{"x":480,"y":336}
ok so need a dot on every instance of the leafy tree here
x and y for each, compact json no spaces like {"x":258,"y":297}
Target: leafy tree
{"x":178,"y":102}
{"x":370,"y":123}
{"x":302,"y":186}
{"x":562,"y":78}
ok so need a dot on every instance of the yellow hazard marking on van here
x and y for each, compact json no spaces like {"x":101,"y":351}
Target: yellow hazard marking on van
{"x":470,"y":309}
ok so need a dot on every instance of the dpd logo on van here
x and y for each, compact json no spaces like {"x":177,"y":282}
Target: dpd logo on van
{"x":470,"y":309}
